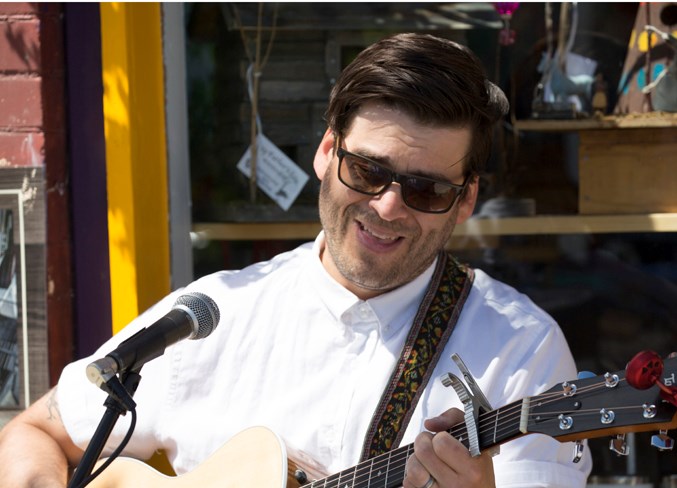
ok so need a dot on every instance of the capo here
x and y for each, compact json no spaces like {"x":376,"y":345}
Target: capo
{"x":474,"y":403}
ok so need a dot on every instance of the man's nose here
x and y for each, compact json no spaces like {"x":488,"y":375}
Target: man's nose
{"x":389,"y":205}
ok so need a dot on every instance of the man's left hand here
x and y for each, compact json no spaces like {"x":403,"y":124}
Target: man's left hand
{"x":441,"y":461}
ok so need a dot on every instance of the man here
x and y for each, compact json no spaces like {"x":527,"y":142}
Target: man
{"x":310,"y":342}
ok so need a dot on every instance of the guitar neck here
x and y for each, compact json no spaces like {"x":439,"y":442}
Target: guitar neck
{"x":580,"y":409}
{"x":387,"y":470}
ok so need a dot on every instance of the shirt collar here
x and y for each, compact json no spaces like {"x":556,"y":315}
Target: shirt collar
{"x":394,"y":309}
{"x":398,"y":307}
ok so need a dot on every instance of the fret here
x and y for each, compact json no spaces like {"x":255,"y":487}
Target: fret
{"x":361,"y":474}
{"x":378,"y":469}
{"x":346,"y":478}
{"x":338,"y":483}
{"x":331,"y":481}
{"x":500,"y":425}
{"x":495,"y":429}
{"x":461,"y":434}
{"x":524,"y":415}
{"x":387,"y":470}
{"x":397,"y":472}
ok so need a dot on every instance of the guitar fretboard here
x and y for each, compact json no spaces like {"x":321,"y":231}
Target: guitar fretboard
{"x":387,"y":470}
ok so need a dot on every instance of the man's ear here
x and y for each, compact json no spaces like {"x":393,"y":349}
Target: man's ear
{"x":324,"y":154}
{"x":466,"y":203}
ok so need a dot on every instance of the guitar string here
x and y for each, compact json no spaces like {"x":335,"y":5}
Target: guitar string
{"x":504,"y":412}
{"x":393,"y":462}
{"x":459,"y":431}
{"x":396,"y":459}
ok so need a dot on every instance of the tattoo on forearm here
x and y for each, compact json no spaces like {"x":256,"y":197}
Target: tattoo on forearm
{"x":53,"y":407}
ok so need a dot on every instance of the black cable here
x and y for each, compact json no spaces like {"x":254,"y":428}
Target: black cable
{"x":115,"y":453}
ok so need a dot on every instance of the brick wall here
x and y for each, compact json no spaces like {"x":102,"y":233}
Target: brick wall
{"x":22,"y":137}
{"x":33,"y":159}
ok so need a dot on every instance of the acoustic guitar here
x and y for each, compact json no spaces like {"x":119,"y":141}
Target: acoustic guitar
{"x":640,"y":398}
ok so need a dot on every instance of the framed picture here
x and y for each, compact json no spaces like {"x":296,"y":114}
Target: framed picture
{"x":24,"y":372}
{"x":9,"y":312}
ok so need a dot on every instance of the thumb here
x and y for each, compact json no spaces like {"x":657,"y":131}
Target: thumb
{"x":444,"y":421}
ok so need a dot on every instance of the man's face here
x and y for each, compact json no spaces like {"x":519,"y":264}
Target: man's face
{"x":377,"y":243}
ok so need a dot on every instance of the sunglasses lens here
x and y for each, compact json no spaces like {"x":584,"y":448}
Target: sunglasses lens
{"x":363,"y":176}
{"x":370,"y":178}
{"x":427,"y":195}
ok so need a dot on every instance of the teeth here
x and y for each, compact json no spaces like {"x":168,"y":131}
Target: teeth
{"x":384,"y":238}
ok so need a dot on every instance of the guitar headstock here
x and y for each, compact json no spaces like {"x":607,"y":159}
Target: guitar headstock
{"x":604,"y":405}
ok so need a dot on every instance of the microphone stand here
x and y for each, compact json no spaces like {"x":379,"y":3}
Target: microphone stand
{"x":119,"y":401}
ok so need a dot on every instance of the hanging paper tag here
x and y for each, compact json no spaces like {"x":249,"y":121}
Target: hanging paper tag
{"x":278,"y":176}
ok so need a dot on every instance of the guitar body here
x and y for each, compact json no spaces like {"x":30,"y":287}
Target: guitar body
{"x":255,"y":458}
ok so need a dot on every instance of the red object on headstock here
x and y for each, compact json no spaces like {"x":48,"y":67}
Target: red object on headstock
{"x":645,"y":370}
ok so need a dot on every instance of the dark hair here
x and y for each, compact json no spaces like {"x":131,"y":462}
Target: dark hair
{"x":434,"y":80}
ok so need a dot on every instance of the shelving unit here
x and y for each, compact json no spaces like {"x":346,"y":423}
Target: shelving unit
{"x":627,"y":180}
{"x":532,"y":225}
{"x":540,"y":224}
{"x":630,"y":121}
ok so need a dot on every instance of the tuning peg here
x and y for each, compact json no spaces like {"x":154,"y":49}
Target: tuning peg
{"x":645,"y":370}
{"x":619,"y":446}
{"x":662,"y":441}
{"x":579,"y":447}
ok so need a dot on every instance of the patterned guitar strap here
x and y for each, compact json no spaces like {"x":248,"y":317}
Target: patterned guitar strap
{"x":434,"y":322}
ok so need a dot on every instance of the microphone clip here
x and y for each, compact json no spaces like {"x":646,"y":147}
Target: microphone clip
{"x":103,"y":373}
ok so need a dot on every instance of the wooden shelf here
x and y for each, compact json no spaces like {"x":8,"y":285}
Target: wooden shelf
{"x":236,"y":231}
{"x":630,"y":121}
{"x":542,"y":224}
{"x":571,"y":224}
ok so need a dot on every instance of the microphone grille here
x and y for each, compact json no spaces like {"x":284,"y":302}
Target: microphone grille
{"x":205,"y":311}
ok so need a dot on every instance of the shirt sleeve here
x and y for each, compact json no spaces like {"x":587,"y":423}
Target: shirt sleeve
{"x":514,"y":350}
{"x":537,"y":474}
{"x":537,"y":460}
{"x":81,"y":403}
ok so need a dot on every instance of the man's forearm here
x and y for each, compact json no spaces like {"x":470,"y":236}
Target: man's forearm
{"x":30,"y":458}
{"x":35,"y":449}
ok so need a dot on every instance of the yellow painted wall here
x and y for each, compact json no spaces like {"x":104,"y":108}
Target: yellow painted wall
{"x":136,"y":159}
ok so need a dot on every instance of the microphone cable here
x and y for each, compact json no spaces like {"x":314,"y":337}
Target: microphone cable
{"x":115,"y":453}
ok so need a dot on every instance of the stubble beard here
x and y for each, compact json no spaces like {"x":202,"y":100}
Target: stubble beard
{"x":363,"y":268}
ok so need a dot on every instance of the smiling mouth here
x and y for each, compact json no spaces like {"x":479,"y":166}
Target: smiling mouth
{"x":377,"y":235}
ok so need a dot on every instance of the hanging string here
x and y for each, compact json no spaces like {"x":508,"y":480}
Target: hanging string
{"x":253,"y":76}
{"x":243,"y":36}
{"x":254,"y":112}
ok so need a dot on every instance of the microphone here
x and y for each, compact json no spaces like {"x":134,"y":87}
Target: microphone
{"x":194,"y":316}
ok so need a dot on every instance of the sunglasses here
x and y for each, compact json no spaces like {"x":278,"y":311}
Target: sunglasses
{"x":368,"y":177}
